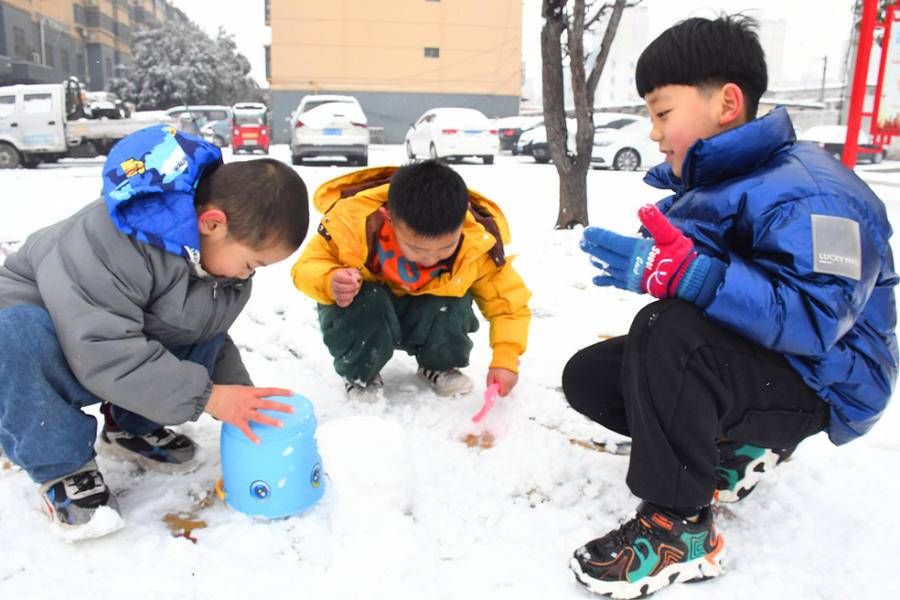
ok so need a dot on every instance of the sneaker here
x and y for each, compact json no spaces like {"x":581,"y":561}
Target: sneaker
{"x":364,"y":392}
{"x":446,"y":383}
{"x":649,"y":552}
{"x":80,"y":506}
{"x":741,"y":466}
{"x":162,"y":450}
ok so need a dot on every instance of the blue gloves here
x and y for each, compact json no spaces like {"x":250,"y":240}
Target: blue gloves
{"x":664,"y":266}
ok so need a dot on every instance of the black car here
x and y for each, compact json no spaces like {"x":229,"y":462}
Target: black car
{"x":510,"y":128}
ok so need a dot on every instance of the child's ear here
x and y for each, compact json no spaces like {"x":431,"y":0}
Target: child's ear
{"x":213,"y":222}
{"x":385,"y":213}
{"x":732,"y":105}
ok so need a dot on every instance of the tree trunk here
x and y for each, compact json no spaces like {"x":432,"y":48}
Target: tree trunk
{"x":572,"y":164}
{"x":572,"y":200}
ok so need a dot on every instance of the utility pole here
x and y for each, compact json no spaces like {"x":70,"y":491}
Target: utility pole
{"x":824,"y":70}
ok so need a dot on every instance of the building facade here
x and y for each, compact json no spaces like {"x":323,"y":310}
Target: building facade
{"x":399,"y":58}
{"x":46,"y":41}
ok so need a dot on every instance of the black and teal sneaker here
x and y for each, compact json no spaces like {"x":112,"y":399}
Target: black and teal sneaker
{"x":741,"y":466}
{"x":649,"y":552}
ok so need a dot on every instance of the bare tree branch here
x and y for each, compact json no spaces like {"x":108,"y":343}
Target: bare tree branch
{"x":611,"y":27}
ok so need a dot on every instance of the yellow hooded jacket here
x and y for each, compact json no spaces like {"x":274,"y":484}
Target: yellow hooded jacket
{"x":351,"y":219}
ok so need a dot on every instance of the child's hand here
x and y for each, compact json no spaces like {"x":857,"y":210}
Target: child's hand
{"x":238,"y":405}
{"x":504,"y":378}
{"x":345,"y":284}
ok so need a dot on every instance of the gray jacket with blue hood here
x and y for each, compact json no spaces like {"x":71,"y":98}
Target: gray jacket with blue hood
{"x":122,"y":281}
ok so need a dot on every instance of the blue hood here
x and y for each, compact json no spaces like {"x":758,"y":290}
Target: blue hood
{"x":149,"y":181}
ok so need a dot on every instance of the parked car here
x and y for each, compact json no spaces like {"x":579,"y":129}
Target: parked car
{"x":625,"y":146}
{"x":535,"y":140}
{"x":452,"y":133}
{"x":217,"y":132}
{"x":833,"y":137}
{"x":528,"y":137}
{"x":251,"y":132}
{"x":325,"y":125}
{"x":510,"y":128}
{"x":192,"y":118}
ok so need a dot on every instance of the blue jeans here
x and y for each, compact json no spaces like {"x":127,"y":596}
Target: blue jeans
{"x":42,"y":427}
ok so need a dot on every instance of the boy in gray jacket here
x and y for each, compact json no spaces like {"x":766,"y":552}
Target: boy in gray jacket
{"x":128,"y":303}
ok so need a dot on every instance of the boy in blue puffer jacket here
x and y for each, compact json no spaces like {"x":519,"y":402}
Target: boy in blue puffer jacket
{"x":775,"y":317}
{"x":128,"y":303}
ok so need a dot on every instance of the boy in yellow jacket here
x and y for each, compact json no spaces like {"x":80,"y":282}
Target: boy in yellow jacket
{"x":399,"y":256}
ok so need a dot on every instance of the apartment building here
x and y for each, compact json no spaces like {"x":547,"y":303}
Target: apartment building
{"x":43,"y":41}
{"x":399,"y":58}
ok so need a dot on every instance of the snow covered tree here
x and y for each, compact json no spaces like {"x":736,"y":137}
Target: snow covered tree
{"x":562,"y":37}
{"x":177,"y":63}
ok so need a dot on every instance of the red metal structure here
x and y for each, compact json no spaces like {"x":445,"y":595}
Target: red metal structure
{"x":882,"y":132}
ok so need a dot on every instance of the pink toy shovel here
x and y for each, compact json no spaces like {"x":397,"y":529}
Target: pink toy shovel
{"x":490,"y":398}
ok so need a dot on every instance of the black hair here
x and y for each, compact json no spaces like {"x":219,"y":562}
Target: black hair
{"x":265,"y":201}
{"x":703,"y":52}
{"x":429,"y":197}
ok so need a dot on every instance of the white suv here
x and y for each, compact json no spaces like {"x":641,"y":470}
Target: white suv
{"x":326,"y":125}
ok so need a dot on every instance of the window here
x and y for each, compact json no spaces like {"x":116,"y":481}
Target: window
{"x":107,"y":64}
{"x":79,"y":65}
{"x":19,"y":50}
{"x":268,"y":12}
{"x":37,"y":103}
{"x":268,"y":50}
{"x":432,"y":52}
{"x":7,"y":106}
{"x":48,"y":55}
{"x":64,"y":61}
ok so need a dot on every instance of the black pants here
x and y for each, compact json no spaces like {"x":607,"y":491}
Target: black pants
{"x":677,"y":384}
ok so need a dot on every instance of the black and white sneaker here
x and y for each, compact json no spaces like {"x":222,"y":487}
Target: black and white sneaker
{"x":446,"y":383}
{"x":162,"y":450}
{"x":364,"y":392}
{"x":80,"y":506}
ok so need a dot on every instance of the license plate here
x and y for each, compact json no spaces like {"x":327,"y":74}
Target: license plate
{"x":331,"y":131}
{"x":473,"y":132}
{"x":249,"y":142}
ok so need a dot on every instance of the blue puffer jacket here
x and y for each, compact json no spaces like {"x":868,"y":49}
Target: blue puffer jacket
{"x":784,"y":217}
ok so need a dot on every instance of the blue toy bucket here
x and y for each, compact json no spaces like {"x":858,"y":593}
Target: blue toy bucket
{"x":282,"y":475}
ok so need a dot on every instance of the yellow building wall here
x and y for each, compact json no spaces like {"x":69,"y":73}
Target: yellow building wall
{"x":378,"y":45}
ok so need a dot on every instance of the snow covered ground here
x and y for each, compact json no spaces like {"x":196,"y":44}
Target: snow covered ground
{"x":411,"y":511}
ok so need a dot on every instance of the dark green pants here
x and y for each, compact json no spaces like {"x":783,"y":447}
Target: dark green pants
{"x":363,"y":336}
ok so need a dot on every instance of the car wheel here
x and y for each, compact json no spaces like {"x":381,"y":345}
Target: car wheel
{"x":296,"y":160}
{"x":488,"y":159}
{"x":540,"y":154}
{"x":219,"y":141}
{"x":409,"y":153}
{"x":515,"y":150}
{"x":9,"y":157}
{"x":432,"y":152}
{"x":626,"y":159}
{"x":363,"y":160}
{"x":877,"y":157}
